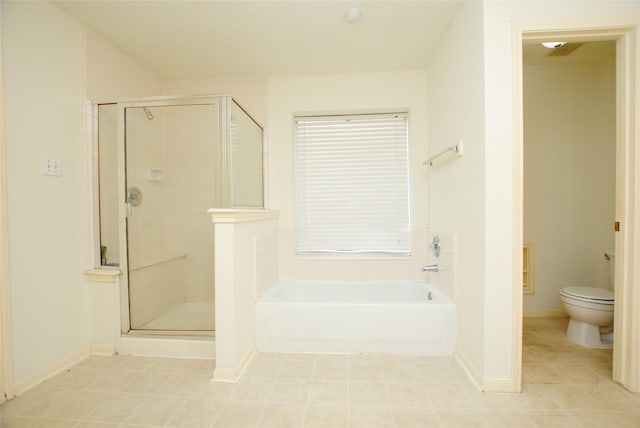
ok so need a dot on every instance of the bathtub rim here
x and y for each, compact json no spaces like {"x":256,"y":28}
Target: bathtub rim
{"x":439,"y":296}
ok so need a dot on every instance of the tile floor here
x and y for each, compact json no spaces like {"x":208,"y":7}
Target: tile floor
{"x":564,"y":386}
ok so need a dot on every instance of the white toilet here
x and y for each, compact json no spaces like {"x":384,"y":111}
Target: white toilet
{"x":591,"y":312}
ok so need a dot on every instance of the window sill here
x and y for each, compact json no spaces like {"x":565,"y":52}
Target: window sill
{"x":103,"y":275}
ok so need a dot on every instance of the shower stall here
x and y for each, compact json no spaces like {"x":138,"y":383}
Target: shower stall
{"x":163,"y":162}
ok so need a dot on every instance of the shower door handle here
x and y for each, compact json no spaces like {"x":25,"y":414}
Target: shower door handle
{"x":134,"y":198}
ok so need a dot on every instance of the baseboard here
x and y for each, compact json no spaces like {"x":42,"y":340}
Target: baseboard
{"x":232,"y":375}
{"x":57,"y":367}
{"x":101,"y":349}
{"x":468,"y":366}
{"x":545,"y":314}
{"x":497,"y":385}
{"x":489,"y":385}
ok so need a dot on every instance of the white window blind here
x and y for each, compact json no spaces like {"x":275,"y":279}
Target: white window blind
{"x":352,"y":184}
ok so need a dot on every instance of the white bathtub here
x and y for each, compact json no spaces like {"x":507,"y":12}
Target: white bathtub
{"x":356,"y":317}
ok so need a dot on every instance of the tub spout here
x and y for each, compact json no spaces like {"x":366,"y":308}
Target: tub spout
{"x":430,"y":268}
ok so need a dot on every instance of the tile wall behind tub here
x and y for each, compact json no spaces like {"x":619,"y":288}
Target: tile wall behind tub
{"x":266,"y":250}
{"x":293,"y":267}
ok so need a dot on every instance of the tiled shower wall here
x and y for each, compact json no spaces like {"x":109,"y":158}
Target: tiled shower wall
{"x":190,"y":149}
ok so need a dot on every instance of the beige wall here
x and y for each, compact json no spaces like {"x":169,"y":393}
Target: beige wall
{"x":499,"y":21}
{"x":457,"y":192}
{"x":569,"y":176}
{"x":112,"y":75}
{"x":249,"y":92}
{"x":49,"y":72}
{"x":44,"y":53}
{"x":274,"y":100}
{"x":346,"y":93}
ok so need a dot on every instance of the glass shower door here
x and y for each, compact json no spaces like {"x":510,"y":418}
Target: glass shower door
{"x":170,"y":155}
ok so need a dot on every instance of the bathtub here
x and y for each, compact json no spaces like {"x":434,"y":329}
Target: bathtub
{"x":356,"y":317}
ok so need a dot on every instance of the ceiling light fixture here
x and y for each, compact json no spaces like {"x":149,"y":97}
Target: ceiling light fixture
{"x":353,"y":15}
{"x":553,"y":45}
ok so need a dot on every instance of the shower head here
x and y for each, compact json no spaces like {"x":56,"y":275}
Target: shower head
{"x":148,"y":113}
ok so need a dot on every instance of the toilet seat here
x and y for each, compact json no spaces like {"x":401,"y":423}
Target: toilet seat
{"x":589,"y":294}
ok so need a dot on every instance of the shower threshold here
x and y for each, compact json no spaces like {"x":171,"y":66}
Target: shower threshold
{"x":171,"y":344}
{"x":174,"y":334}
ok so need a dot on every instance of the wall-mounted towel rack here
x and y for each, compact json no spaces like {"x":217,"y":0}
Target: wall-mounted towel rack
{"x":445,"y":155}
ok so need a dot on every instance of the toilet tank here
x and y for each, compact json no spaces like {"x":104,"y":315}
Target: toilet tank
{"x":611,"y":268}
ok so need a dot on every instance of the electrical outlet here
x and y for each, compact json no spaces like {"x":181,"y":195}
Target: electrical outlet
{"x":51,"y":167}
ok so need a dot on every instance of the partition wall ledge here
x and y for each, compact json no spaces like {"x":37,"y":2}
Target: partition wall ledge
{"x":102,"y":275}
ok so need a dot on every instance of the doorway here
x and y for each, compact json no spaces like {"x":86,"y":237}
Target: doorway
{"x":569,"y":199}
{"x":569,"y":169}
{"x":625,"y":346}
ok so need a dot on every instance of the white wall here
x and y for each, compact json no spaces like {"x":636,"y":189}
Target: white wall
{"x":249,"y":92}
{"x":273,"y":101}
{"x":111,"y":75}
{"x":246,"y":264}
{"x":499,"y":19}
{"x":457,"y":194}
{"x":289,"y":95}
{"x":48,"y":75}
{"x":569,"y":176}
{"x":44,"y":59}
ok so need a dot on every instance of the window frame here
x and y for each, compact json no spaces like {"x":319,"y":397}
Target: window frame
{"x":385,"y":254}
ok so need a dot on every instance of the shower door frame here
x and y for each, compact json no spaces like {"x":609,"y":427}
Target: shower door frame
{"x":221,"y":193}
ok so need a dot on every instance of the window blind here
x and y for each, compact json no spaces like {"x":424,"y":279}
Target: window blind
{"x":352,"y":184}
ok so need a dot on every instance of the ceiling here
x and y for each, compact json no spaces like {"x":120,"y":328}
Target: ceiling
{"x":184,"y":39}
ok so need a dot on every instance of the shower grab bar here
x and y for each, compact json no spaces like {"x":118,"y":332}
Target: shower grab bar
{"x":167,"y":260}
{"x":455,"y":149}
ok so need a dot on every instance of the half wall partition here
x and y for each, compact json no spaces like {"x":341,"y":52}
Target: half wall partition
{"x":163,"y":163}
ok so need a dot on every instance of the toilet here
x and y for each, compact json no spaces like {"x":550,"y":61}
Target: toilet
{"x":591,"y":312}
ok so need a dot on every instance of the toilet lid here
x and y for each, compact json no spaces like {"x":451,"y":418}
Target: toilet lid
{"x":591,"y":293}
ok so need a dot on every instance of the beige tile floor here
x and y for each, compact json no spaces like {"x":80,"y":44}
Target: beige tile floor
{"x":564,"y":386}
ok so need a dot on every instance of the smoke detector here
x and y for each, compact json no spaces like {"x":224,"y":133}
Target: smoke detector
{"x":353,"y":15}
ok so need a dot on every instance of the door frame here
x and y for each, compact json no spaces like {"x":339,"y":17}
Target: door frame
{"x":7,"y":390}
{"x":626,"y":347}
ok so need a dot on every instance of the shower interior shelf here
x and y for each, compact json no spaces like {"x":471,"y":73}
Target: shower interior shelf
{"x":445,"y":155}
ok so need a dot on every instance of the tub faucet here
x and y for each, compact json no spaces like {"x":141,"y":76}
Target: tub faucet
{"x":430,"y":268}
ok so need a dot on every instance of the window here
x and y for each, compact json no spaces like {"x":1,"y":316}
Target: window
{"x":352,"y":184}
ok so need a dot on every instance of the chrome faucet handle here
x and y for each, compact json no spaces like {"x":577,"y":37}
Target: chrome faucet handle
{"x":435,"y":246}
{"x":430,"y":268}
